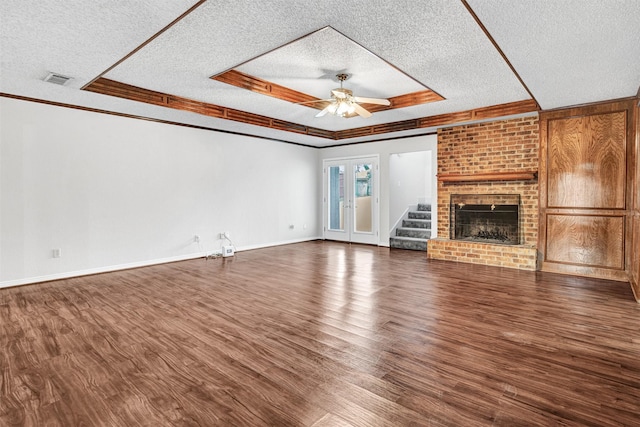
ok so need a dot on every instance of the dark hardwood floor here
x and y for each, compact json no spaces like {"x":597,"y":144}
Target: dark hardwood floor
{"x":320,"y":334}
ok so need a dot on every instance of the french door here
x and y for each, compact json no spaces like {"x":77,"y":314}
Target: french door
{"x":350,"y":200}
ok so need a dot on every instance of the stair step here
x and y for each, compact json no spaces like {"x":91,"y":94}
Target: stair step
{"x":416,"y":223}
{"x":419,"y":215}
{"x":422,"y":233}
{"x":411,"y":243}
{"x":424,"y":207}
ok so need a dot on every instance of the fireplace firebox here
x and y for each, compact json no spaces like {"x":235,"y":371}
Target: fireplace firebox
{"x":486,"y":218}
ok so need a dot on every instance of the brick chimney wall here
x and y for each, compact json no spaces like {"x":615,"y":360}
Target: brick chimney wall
{"x":499,"y":146}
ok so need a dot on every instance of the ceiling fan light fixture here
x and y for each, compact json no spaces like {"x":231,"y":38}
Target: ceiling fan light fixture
{"x":352,"y":109}
{"x":343,"y":108}
{"x":344,"y":104}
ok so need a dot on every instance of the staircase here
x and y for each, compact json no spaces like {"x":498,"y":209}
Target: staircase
{"x":415,"y":230}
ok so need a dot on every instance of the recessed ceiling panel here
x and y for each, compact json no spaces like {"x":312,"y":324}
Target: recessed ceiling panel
{"x":389,"y":48}
{"x":323,"y":54}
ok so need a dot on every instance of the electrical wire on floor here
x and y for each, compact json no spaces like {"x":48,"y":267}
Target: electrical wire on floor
{"x":216,"y":255}
{"x":206,"y":255}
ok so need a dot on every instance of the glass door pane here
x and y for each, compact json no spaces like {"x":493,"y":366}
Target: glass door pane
{"x":363,"y":182}
{"x":336,"y":201}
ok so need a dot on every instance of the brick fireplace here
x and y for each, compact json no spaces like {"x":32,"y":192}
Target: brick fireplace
{"x":485,"y":218}
{"x":481,"y":166}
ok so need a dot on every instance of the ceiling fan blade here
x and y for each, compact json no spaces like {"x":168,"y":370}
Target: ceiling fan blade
{"x":324,"y":111}
{"x":361,"y":111}
{"x":338,"y":94}
{"x":378,"y":101}
{"x":314,"y":101}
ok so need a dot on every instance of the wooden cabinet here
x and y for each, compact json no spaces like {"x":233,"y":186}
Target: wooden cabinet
{"x":587,"y":184}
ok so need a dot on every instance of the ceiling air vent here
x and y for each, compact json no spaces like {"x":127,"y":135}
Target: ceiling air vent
{"x":57,"y":79}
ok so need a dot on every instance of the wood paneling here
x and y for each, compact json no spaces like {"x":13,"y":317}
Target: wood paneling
{"x":635,"y":257}
{"x":592,"y":241}
{"x":121,"y":90}
{"x":587,"y":161}
{"x":636,"y":181}
{"x":586,"y":181}
{"x":320,"y":334}
{"x":635,"y":239}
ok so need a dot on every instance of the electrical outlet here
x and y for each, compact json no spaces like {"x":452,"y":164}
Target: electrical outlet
{"x":225,"y":235}
{"x":56,"y":253}
{"x":196,"y":238}
{"x":291,"y":226}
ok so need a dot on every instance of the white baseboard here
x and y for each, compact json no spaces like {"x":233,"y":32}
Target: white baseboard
{"x":107,"y":269}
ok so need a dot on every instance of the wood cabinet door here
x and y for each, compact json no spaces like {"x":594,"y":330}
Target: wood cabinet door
{"x":586,"y":186}
{"x":587,"y":161}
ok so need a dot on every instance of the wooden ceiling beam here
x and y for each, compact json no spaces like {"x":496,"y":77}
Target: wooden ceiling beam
{"x":134,"y":93}
{"x":113,"y":88}
{"x":265,"y":87}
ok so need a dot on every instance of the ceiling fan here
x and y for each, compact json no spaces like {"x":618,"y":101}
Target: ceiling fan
{"x":343,"y":104}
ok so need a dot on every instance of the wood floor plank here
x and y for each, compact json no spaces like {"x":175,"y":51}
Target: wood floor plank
{"x":320,"y":334}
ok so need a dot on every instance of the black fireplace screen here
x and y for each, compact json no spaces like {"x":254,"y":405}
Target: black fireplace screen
{"x":487,"y":218}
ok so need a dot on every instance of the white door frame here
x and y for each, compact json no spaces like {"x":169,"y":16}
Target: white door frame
{"x":348,"y":234}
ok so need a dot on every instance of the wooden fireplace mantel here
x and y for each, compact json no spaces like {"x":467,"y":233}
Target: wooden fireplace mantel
{"x":490,"y":176}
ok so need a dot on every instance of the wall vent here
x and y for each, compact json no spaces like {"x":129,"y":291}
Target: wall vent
{"x":57,"y":79}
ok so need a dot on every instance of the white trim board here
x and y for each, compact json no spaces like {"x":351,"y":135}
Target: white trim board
{"x":148,"y":263}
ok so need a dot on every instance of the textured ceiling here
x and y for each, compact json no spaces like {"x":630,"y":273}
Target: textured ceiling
{"x":562,"y":52}
{"x":569,"y":52}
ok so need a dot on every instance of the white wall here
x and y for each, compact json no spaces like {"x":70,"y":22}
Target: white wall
{"x":410,"y":179}
{"x":384,"y":149}
{"x":113,"y":192}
